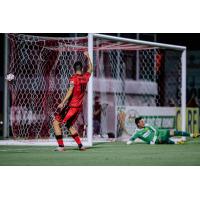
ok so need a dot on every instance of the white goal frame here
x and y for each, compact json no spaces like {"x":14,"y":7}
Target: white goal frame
{"x":91,"y":37}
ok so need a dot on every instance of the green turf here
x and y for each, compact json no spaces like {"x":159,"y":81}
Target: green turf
{"x":104,"y":154}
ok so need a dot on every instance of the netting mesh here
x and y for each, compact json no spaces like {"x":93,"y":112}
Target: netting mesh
{"x":42,"y":68}
{"x":163,"y":68}
{"x":134,"y":75}
{"x":125,"y":74}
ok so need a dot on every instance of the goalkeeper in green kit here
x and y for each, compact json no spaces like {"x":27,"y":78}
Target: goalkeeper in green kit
{"x":152,"y":135}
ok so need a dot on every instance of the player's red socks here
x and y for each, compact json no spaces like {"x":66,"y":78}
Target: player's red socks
{"x":75,"y":136}
{"x":77,"y":139}
{"x":59,"y":139}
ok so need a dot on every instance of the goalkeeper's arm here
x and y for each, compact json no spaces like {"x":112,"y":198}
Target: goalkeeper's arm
{"x":134,"y":136}
{"x":153,"y":141}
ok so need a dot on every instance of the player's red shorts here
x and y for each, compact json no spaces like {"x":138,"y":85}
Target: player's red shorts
{"x":68,"y":115}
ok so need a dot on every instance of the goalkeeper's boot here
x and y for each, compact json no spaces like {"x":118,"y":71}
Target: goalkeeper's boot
{"x":194,"y":135}
{"x":60,"y":149}
{"x":129,"y":142}
{"x":180,"y":142}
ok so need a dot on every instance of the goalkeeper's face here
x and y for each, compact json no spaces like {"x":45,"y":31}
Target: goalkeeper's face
{"x":141,"y":123}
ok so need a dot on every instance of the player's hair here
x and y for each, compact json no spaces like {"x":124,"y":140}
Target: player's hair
{"x":137,"y":120}
{"x":78,"y":66}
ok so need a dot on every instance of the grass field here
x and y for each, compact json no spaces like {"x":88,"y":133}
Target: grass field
{"x":104,"y":154}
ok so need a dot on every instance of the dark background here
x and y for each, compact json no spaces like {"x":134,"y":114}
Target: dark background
{"x":190,"y":40}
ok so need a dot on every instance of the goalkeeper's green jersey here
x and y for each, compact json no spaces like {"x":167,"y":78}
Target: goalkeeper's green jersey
{"x":150,"y":134}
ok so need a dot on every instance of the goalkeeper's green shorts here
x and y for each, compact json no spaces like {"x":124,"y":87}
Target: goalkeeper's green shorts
{"x":163,"y":136}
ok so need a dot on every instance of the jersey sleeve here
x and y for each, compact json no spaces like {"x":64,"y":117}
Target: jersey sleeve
{"x":87,"y":75}
{"x":135,"y":135}
{"x":155,"y":134}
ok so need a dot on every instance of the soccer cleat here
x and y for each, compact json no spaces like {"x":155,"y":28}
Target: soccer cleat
{"x":129,"y":142}
{"x":197,"y":135}
{"x":180,"y":142}
{"x":60,"y":149}
{"x":194,"y":135}
{"x":82,"y":148}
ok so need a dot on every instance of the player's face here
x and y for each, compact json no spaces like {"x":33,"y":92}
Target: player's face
{"x":141,"y":123}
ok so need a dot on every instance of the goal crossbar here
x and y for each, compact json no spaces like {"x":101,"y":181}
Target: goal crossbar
{"x":140,"y":42}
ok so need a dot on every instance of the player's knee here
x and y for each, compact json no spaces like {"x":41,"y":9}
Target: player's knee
{"x":72,"y":130}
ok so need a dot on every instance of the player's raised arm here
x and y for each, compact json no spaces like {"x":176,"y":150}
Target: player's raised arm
{"x":90,"y":66}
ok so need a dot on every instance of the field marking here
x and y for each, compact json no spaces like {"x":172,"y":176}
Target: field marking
{"x":12,"y":149}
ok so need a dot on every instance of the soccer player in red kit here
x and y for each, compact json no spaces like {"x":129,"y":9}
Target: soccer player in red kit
{"x":72,"y":104}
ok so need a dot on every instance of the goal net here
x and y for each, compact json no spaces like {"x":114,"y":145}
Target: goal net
{"x":131,"y":78}
{"x":42,"y":68}
{"x":136,"y":78}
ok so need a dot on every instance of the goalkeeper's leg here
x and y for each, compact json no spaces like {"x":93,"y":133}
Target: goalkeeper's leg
{"x":165,"y":138}
{"x":183,"y":133}
{"x":177,"y":141}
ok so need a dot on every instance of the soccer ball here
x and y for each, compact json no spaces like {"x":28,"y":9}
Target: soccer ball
{"x":10,"y":77}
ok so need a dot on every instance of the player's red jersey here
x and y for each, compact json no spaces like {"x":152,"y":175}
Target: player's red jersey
{"x":80,"y":83}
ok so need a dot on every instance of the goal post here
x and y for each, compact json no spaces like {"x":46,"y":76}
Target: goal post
{"x":183,"y":90}
{"x":6,"y":97}
{"x":90,"y":93}
{"x":130,"y":78}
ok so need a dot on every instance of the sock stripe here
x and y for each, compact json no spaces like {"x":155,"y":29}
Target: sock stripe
{"x":59,"y":139}
{"x":76,"y":138}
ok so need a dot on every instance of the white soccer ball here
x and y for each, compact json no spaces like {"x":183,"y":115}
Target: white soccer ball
{"x":10,"y":77}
